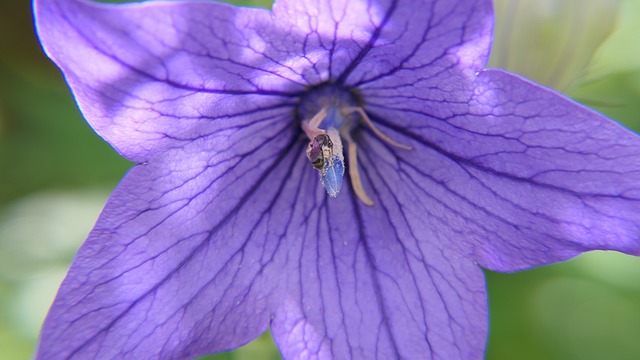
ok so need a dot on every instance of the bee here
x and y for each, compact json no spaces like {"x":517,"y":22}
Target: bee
{"x":320,"y":152}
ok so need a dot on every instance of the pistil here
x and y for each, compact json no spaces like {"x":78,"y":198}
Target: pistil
{"x":325,"y":152}
{"x":326,"y":130}
{"x":329,"y":114}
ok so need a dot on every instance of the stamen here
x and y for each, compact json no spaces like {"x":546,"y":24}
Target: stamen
{"x":332,"y":175}
{"x":354,"y":173}
{"x":380,"y":134}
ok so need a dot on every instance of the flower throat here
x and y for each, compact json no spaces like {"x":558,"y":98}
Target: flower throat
{"x":329,"y":114}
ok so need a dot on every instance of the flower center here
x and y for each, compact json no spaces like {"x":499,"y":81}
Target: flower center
{"x":329,"y":114}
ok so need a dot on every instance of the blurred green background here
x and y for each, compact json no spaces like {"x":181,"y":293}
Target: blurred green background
{"x":55,"y":175}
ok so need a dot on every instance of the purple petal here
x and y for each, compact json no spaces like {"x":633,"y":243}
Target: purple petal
{"x":181,"y":262}
{"x":374,"y":282}
{"x":429,"y":39}
{"x":224,"y":227}
{"x":521,"y":176}
{"x":359,"y":41}
{"x":152,"y":76}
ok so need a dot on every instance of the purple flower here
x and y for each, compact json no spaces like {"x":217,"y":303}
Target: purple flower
{"x":339,"y":171}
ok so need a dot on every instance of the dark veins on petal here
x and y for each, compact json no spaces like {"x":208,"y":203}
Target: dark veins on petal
{"x":374,"y":37}
{"x":427,"y":255}
{"x":389,"y":204}
{"x":145,"y":74}
{"x":465,"y":163}
{"x":289,"y":151}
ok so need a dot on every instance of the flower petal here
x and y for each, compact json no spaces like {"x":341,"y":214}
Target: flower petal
{"x":370,"y":282}
{"x":148,"y":74}
{"x":522,"y":175}
{"x":365,"y":40}
{"x":181,"y":261}
{"x":438,"y":65}
{"x":427,"y":40}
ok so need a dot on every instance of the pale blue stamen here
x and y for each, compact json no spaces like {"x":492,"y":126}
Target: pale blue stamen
{"x":333,"y":175}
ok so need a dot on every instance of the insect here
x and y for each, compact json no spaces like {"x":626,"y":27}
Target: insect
{"x":330,"y":165}
{"x":320,"y":148}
